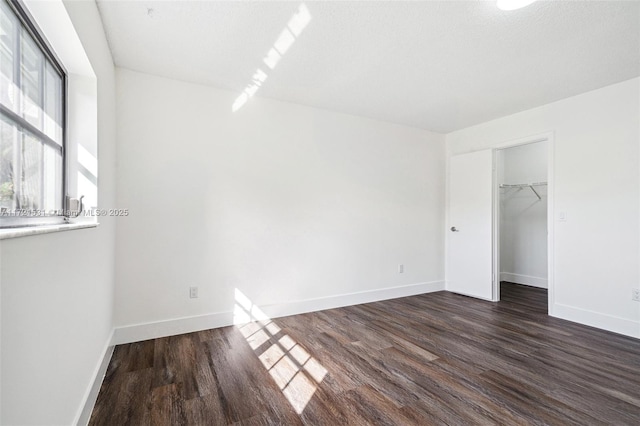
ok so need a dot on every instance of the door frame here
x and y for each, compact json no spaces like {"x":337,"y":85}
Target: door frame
{"x":549,"y":138}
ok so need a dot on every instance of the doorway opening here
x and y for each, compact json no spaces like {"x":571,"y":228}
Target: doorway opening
{"x":521,"y":224}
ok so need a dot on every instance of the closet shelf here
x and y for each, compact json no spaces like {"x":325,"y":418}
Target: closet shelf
{"x":525,"y":185}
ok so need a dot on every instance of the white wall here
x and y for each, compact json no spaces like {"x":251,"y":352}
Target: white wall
{"x":595,"y":150}
{"x":523,"y":217}
{"x":57,"y":289}
{"x":286,"y":203}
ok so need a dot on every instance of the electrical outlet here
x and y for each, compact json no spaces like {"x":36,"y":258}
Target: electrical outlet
{"x":193,"y":292}
{"x":635,"y":294}
{"x":400,"y":269}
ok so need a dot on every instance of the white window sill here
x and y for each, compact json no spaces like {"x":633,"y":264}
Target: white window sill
{"x":5,"y":234}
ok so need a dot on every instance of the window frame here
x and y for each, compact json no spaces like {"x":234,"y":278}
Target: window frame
{"x":27,"y":22}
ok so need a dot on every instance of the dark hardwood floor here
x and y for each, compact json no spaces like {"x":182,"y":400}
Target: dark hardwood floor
{"x":437,"y":358}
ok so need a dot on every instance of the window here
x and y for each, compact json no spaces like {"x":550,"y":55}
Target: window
{"x":32,"y":118}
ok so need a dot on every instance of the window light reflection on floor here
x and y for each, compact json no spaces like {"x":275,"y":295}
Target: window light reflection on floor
{"x":292,"y":368}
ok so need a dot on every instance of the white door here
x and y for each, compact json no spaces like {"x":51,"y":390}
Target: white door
{"x":470,"y":250}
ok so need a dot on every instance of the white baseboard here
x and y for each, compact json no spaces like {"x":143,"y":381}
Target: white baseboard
{"x":524,"y":279}
{"x":153,"y":330}
{"x":91,"y":395}
{"x":349,"y":299}
{"x":595,"y":319}
{"x":171,"y":327}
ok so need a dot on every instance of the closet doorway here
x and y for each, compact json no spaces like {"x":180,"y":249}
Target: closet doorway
{"x":521,"y":252}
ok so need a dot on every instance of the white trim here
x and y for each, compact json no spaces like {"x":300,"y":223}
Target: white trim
{"x":447,"y":216}
{"x":495,"y":229}
{"x":26,"y":231}
{"x":349,"y":299}
{"x":170,"y":327}
{"x":596,"y":319}
{"x":153,"y":330}
{"x":551,"y":149}
{"x":525,"y":140}
{"x":524,"y":279}
{"x":91,"y":395}
{"x":539,"y":137}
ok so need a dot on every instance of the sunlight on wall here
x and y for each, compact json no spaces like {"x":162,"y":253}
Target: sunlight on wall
{"x":288,"y":36}
{"x":87,"y":177}
{"x":292,"y":368}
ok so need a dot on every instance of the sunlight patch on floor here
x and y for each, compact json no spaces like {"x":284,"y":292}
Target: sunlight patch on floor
{"x":291,"y":367}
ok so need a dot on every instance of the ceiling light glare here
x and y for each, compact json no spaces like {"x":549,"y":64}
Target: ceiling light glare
{"x":513,"y":4}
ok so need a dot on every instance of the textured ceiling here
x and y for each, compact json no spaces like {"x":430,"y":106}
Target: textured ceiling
{"x":437,"y":65}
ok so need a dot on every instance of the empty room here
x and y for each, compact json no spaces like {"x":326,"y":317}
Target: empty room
{"x":319,"y":212}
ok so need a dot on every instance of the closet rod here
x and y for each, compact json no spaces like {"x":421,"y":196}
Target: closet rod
{"x":522,"y":185}
{"x":526,"y":185}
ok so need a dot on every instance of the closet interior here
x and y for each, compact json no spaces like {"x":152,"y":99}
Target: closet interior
{"x":522,"y":177}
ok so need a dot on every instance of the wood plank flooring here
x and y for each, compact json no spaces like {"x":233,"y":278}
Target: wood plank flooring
{"x":438,"y":358}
